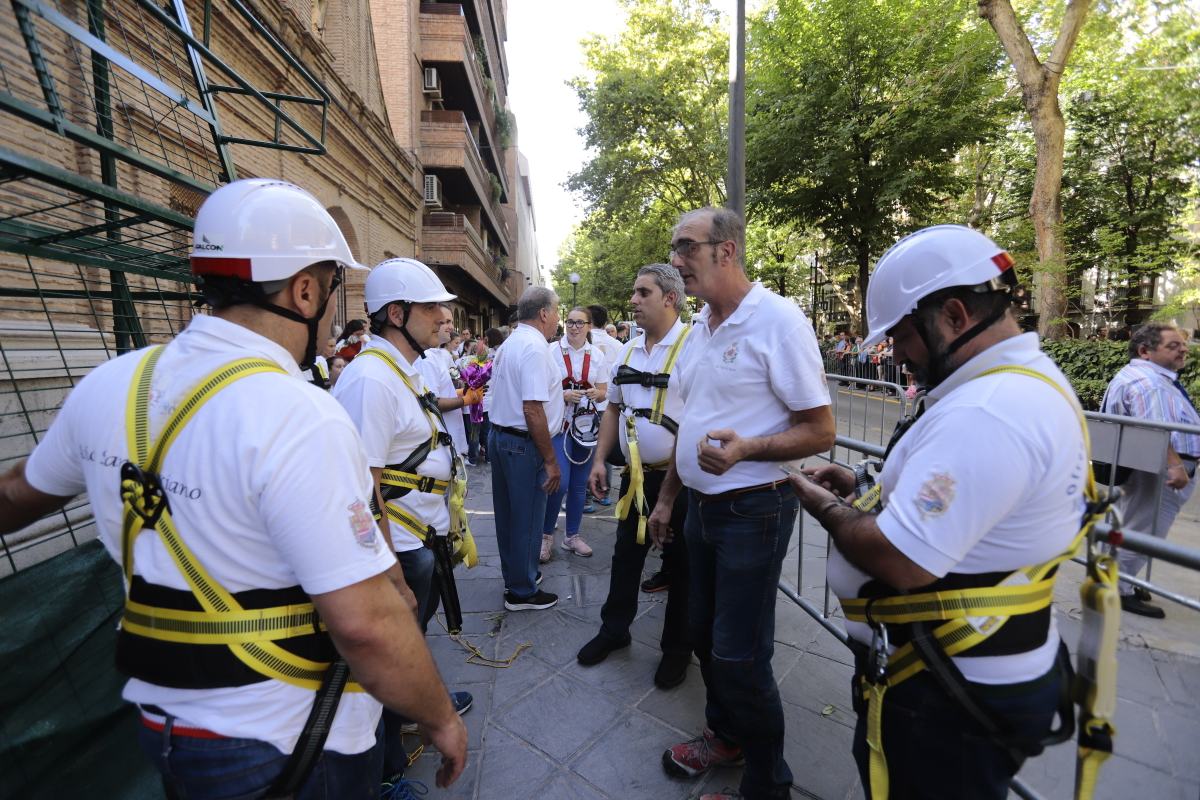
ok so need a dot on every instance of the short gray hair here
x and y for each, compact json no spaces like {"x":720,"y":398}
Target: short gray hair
{"x":534,"y":300}
{"x":1148,"y":336}
{"x":726,"y":225}
{"x":668,"y":280}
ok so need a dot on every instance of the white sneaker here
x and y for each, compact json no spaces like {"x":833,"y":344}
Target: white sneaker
{"x":547,"y":548}
{"x":575,"y":544}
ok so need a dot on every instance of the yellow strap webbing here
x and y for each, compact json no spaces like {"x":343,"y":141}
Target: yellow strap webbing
{"x":635,"y":495}
{"x":391,"y":362}
{"x":973,"y":614}
{"x":206,"y":627}
{"x":264,"y":657}
{"x":461,"y":540}
{"x":411,"y":480}
{"x":404,"y":519}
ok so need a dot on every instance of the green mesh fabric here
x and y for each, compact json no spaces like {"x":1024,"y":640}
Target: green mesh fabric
{"x":64,"y":730}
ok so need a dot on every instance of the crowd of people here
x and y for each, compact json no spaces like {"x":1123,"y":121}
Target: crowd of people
{"x":299,"y":574}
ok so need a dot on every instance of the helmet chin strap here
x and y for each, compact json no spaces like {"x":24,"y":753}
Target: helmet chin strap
{"x":378,"y":321}
{"x":311,"y":323}
{"x":939,"y":362}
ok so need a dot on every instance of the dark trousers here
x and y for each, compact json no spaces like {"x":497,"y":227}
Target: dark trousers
{"x":935,"y":751}
{"x":736,"y":546}
{"x":628,"y":559}
{"x":417,"y":566}
{"x":242,"y":769}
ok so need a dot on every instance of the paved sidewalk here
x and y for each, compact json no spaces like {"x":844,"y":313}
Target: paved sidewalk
{"x":548,"y":728}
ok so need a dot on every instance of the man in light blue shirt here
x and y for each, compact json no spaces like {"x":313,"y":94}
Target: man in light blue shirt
{"x":1148,"y":387}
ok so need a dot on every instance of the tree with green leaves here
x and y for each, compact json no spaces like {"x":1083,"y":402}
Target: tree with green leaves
{"x":1130,"y":168}
{"x":856,"y":113}
{"x":655,"y":99}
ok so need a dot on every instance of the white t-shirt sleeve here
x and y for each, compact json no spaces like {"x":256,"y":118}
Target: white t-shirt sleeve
{"x":55,"y":466}
{"x":949,"y":496}
{"x":598,"y":370}
{"x":797,"y":374}
{"x":373,"y":408}
{"x":613,"y":393}
{"x":319,"y":519}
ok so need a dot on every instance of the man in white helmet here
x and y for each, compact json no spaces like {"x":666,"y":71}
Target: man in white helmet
{"x":215,"y":452}
{"x":989,"y":480}
{"x":409,"y":450}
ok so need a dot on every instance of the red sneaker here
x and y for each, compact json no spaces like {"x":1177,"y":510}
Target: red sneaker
{"x":691,"y":758}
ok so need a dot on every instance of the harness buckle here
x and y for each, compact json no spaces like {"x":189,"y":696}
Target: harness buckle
{"x":143,"y":492}
{"x":877,"y":658}
{"x":425,"y":484}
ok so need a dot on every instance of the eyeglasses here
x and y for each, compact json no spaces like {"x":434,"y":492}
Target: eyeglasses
{"x":685,"y":247}
{"x":575,"y":323}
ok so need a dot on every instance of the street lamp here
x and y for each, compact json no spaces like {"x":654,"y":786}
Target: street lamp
{"x":574,"y":279}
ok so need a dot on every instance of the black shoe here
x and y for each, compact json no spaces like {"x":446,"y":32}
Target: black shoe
{"x":1142,"y":594}
{"x":672,"y":670}
{"x":598,"y":649}
{"x":1140,"y":607}
{"x":537,"y":602}
{"x":538,"y":580}
{"x":658,"y":582}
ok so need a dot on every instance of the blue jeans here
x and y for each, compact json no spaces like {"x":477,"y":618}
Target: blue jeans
{"x":417,"y":566}
{"x":242,"y":769}
{"x":520,"y":505}
{"x":934,"y":750}
{"x":736,"y":544}
{"x":574,"y":484}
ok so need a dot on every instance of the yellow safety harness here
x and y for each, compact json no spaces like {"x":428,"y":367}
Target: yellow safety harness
{"x":970,"y":616}
{"x":635,"y":495}
{"x":462,"y":542}
{"x":250,"y":634}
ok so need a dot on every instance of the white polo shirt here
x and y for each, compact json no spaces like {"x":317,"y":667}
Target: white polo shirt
{"x":655,"y":442}
{"x":599,"y":366}
{"x":268,"y":485}
{"x":989,"y":479}
{"x":393,"y":424}
{"x":607,"y":344}
{"x":524,"y":370}
{"x":435,"y":366}
{"x":758,"y":366}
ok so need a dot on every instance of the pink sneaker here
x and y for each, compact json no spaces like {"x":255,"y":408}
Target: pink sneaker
{"x":547,"y":548}
{"x":689,"y":759}
{"x":575,"y":544}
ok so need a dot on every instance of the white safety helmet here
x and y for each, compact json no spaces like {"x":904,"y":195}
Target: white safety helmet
{"x":403,"y":280}
{"x":928,"y":261}
{"x":262,"y":230}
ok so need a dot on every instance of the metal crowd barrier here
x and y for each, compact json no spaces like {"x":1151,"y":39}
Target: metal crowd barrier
{"x":1118,"y":440}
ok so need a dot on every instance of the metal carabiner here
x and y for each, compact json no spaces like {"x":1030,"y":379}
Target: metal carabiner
{"x":877,"y":659}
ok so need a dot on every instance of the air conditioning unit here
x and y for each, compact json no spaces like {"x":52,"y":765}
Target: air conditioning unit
{"x":431,"y":83}
{"x":433,"y":191}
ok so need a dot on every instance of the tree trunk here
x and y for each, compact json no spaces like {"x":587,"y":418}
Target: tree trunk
{"x":1045,"y":211}
{"x":858,"y":316}
{"x":1039,"y":89}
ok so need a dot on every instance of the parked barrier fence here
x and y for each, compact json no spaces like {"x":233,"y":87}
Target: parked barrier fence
{"x":1116,"y":440}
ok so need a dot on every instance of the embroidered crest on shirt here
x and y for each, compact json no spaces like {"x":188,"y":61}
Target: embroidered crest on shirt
{"x":731,"y":353}
{"x":935,"y":496}
{"x":363,"y":524}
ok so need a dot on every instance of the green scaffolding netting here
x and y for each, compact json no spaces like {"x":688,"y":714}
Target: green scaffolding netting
{"x":64,"y":730}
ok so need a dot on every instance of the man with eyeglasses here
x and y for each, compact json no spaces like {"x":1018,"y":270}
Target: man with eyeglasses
{"x":1148,"y":387}
{"x":754,"y":394}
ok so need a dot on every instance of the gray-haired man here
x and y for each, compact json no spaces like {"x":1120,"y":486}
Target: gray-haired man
{"x":527,"y":405}
{"x":644,"y":382}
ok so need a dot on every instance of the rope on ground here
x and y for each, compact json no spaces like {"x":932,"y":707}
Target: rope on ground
{"x":476,"y":656}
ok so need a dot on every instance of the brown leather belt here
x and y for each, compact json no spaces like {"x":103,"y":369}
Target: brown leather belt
{"x":732,"y":493}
